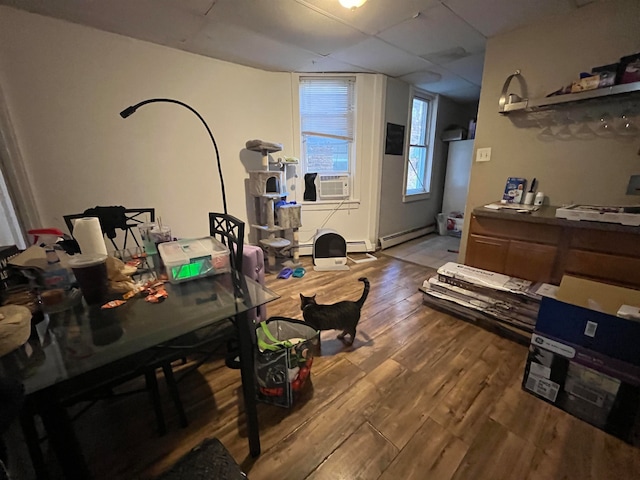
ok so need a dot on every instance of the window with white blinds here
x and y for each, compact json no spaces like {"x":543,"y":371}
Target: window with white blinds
{"x":327,"y":119}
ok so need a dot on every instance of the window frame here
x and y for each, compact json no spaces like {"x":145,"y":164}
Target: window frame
{"x":353,"y":149}
{"x":430,"y":127}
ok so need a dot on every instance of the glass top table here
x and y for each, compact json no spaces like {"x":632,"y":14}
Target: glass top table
{"x":70,"y":346}
{"x":83,"y":338}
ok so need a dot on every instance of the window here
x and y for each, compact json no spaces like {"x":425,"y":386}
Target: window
{"x":327,"y":111}
{"x":418,"y":162}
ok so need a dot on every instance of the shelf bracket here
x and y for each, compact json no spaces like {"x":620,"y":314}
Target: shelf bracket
{"x":511,"y":101}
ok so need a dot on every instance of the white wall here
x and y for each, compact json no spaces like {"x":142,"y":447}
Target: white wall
{"x":65,"y":85}
{"x":551,"y":54}
{"x":395,"y":215}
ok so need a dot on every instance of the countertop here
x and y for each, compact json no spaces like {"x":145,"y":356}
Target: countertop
{"x":547,"y":215}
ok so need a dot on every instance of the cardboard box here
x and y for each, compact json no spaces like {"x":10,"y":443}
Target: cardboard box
{"x":587,"y":362}
{"x":623,"y":214}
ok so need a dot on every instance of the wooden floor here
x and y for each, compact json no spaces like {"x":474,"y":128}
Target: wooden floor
{"x":420,"y":395}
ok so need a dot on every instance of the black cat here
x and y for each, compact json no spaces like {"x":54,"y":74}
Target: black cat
{"x":339,"y":316}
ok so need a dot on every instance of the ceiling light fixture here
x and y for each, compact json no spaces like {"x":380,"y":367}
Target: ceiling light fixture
{"x":352,"y":4}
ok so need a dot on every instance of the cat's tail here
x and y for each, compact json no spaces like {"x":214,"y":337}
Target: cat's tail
{"x":361,"y":300}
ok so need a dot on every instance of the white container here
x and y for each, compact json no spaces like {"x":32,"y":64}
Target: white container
{"x":189,"y":259}
{"x":529,"y":197}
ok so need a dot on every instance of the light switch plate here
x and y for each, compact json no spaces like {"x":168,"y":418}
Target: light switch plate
{"x":483,"y":154}
{"x":634,"y":185}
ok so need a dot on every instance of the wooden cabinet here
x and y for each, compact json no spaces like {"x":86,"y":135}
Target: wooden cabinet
{"x":540,"y":247}
{"x":515,"y":258}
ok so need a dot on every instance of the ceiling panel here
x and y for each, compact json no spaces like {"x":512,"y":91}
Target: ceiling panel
{"x":319,"y":64}
{"x":156,"y":21}
{"x":469,"y":68}
{"x":448,"y":81}
{"x":379,"y":56}
{"x":201,"y":7}
{"x":492,"y":17}
{"x":422,"y":78}
{"x":289,"y":22}
{"x":310,"y":35}
{"x":375,"y":15}
{"x":238,"y":45}
{"x":464,"y":95}
{"x":434,"y":30}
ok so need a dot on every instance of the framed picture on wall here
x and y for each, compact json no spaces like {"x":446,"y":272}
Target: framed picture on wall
{"x":394,"y":144}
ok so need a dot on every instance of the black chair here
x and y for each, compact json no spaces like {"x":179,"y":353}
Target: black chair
{"x":230,"y":232}
{"x":127,"y":220}
{"x":116,"y":218}
{"x":207,"y":341}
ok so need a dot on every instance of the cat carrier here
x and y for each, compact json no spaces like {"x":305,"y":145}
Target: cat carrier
{"x":329,"y":251}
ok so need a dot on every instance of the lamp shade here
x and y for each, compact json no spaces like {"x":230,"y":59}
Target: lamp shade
{"x":352,"y":4}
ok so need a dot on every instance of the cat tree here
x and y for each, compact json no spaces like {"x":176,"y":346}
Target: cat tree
{"x":268,"y":187}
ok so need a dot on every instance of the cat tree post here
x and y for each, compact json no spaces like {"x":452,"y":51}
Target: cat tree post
{"x":266,"y":185}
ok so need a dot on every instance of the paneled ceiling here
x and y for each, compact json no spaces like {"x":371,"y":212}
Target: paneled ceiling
{"x":435,"y":45}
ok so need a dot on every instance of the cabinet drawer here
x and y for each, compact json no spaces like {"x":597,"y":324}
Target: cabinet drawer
{"x":517,"y":230}
{"x":602,"y":266}
{"x":530,"y":261}
{"x":606,"y":242}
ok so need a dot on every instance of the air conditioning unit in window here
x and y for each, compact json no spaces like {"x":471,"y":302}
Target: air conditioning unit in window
{"x":333,"y":186}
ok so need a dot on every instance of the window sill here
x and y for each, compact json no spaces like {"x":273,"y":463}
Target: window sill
{"x":416,"y":197}
{"x":321,"y":205}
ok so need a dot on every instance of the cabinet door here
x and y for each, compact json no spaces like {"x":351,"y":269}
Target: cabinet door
{"x":488,"y":253}
{"x":531,"y":261}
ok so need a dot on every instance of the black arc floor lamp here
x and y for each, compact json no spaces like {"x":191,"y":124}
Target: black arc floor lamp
{"x":132,"y":109}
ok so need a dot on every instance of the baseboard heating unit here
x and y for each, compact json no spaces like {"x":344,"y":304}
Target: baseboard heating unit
{"x":397,"y":238}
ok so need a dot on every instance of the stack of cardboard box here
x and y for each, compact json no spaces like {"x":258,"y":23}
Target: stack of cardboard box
{"x":478,"y":294}
{"x":585,"y":358}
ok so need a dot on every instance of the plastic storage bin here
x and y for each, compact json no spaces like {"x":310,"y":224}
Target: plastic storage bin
{"x":189,"y":259}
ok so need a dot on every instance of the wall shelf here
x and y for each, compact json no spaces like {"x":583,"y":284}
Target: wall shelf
{"x":512,"y":103}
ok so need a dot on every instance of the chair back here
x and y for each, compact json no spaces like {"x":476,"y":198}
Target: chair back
{"x":116,"y":218}
{"x":230,"y":231}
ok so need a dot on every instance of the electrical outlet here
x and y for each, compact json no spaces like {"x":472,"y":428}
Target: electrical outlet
{"x":483,"y":154}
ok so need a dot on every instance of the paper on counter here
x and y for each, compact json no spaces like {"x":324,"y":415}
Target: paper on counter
{"x":32,"y":257}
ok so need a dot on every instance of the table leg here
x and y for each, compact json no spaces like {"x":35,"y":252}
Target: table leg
{"x":248,"y":382}
{"x":62,"y":438}
{"x":154,"y":395}
{"x":32,"y":440}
